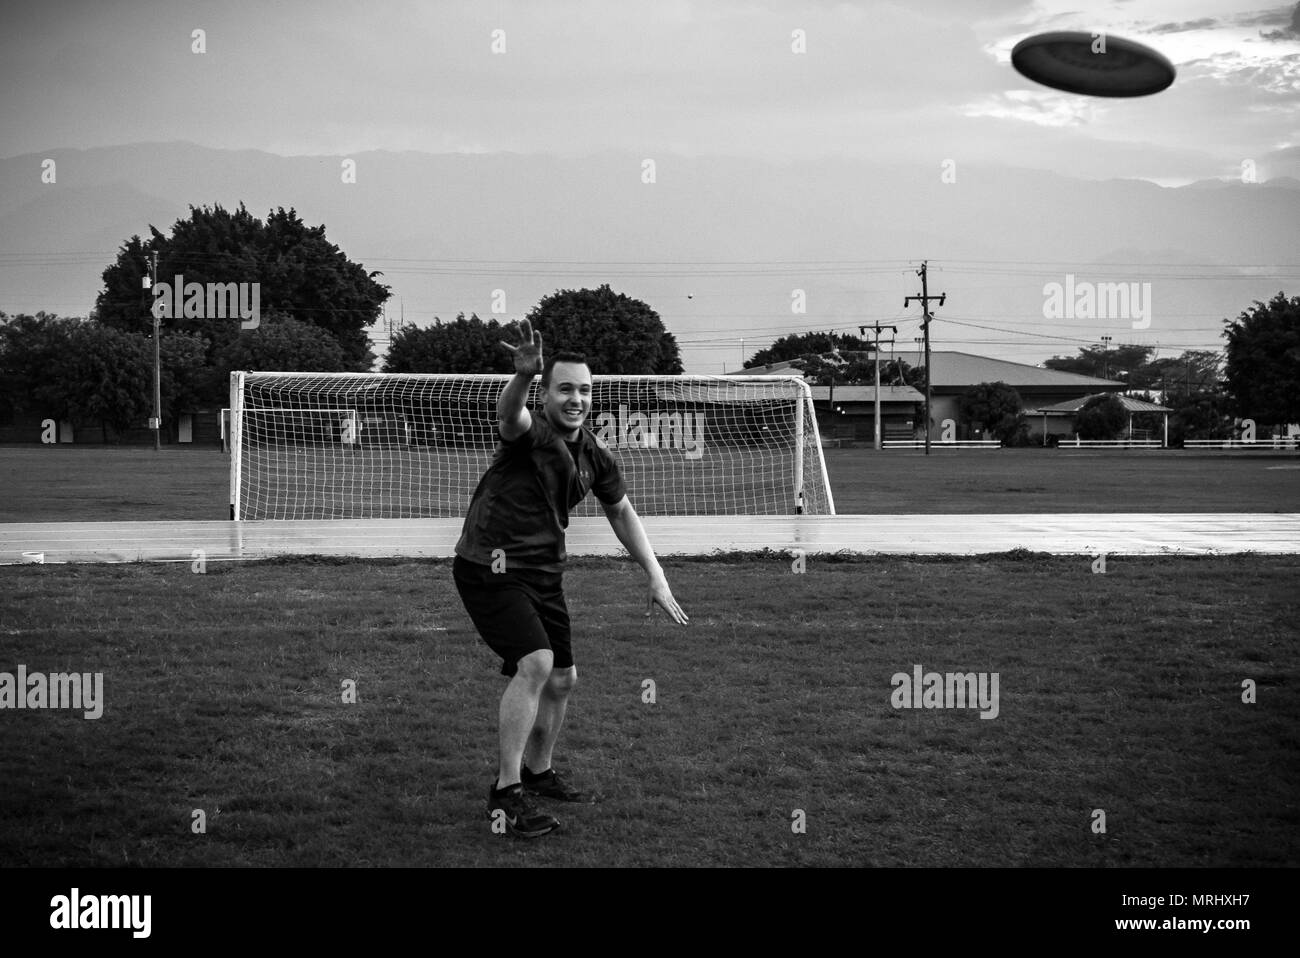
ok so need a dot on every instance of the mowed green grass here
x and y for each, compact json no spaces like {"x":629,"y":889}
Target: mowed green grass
{"x":1119,"y":691}
{"x":88,"y":483}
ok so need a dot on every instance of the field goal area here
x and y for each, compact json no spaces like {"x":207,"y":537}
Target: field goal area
{"x":412,"y":446}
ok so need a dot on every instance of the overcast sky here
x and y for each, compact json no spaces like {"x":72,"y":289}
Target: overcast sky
{"x":686,"y":76}
{"x":893,"y":83}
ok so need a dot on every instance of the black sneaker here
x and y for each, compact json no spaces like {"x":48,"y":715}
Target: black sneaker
{"x":550,"y":785}
{"x":520,"y":816}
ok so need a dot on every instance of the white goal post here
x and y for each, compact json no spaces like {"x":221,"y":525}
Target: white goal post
{"x":414,"y":445}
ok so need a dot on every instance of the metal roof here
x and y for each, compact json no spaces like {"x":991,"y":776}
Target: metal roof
{"x":868,"y":394}
{"x":951,"y":368}
{"x":1074,"y":405}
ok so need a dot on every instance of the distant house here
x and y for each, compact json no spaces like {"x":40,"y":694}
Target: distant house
{"x":952,"y":373}
{"x":1058,"y":419}
{"x":850,"y":414}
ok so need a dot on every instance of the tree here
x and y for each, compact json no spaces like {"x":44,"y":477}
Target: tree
{"x":1201,"y":414}
{"x":795,"y":345}
{"x":997,"y":407}
{"x":464,"y":346}
{"x":1119,"y":362}
{"x":1263,"y":367}
{"x":1194,"y":370}
{"x":186,"y":377}
{"x":29,"y":348}
{"x":1102,"y":417}
{"x":618,"y":334}
{"x":282,"y":344}
{"x":105,"y":376}
{"x":298,"y":271}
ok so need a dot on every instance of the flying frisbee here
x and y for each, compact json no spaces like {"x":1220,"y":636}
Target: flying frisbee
{"x":1066,"y":61}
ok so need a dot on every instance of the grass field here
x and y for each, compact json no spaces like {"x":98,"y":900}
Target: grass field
{"x":65,"y":483}
{"x":1120,"y":692}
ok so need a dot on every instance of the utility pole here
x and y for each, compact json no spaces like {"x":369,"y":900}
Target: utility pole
{"x":925,"y":298}
{"x":156,"y":422}
{"x":862,"y":331}
{"x":1105,"y":357}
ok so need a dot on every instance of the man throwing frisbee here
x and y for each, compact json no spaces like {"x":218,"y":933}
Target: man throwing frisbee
{"x":510,"y":561}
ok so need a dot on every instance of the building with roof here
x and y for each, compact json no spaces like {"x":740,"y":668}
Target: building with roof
{"x":847,"y":413}
{"x":953,"y":372}
{"x":1062,"y":415}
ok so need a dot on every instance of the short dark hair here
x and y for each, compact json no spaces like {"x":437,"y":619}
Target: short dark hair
{"x":561,"y":358}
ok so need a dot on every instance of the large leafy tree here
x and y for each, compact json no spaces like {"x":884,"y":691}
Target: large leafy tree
{"x":186,"y":378}
{"x":30,"y":346}
{"x":281,"y":343}
{"x":995,"y":406}
{"x":1201,"y":414}
{"x":105,"y":376}
{"x":1195,"y":370}
{"x":92,"y":374}
{"x":463,"y":346}
{"x":298,"y":271}
{"x":1123,"y":362}
{"x":1263,"y":366}
{"x":618,"y":334}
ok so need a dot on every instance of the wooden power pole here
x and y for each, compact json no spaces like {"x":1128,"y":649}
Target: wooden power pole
{"x":925,"y":298}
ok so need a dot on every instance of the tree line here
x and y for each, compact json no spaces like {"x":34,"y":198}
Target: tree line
{"x":316,"y":306}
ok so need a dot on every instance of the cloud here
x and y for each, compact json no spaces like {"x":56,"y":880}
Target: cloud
{"x":1270,"y":17}
{"x":1205,"y":23}
{"x":1291,"y":32}
{"x":1033,"y":106}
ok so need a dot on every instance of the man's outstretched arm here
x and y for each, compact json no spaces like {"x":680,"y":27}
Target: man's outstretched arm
{"x":627,"y":526}
{"x":513,"y":419}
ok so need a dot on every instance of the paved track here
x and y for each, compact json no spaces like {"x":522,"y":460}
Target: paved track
{"x":1062,"y":534}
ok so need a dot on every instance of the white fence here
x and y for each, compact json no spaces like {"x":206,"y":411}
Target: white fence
{"x":1078,"y":443}
{"x":1279,"y":443}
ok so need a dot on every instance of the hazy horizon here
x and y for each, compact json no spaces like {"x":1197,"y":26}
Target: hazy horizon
{"x":809,"y":146}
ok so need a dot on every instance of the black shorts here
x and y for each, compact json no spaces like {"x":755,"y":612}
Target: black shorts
{"x":516,"y":612}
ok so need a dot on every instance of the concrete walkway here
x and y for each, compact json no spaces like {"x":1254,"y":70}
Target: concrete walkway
{"x":1062,"y":534}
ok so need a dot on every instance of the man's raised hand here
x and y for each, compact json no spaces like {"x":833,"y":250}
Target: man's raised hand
{"x":528,"y":354}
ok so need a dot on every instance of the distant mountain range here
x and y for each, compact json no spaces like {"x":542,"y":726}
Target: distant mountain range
{"x":441,"y":227}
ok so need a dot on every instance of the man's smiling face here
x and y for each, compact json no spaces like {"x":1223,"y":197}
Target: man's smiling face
{"x":568,"y":397}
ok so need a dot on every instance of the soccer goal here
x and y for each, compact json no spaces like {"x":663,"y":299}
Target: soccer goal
{"x":409,"y":446}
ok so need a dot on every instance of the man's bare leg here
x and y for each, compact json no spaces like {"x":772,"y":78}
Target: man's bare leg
{"x":550,"y":716}
{"x":518,"y":714}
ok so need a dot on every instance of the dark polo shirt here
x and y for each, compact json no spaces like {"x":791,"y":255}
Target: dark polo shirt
{"x":522,"y":502}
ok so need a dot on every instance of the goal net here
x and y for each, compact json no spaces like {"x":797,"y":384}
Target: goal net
{"x":406,"y":446}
